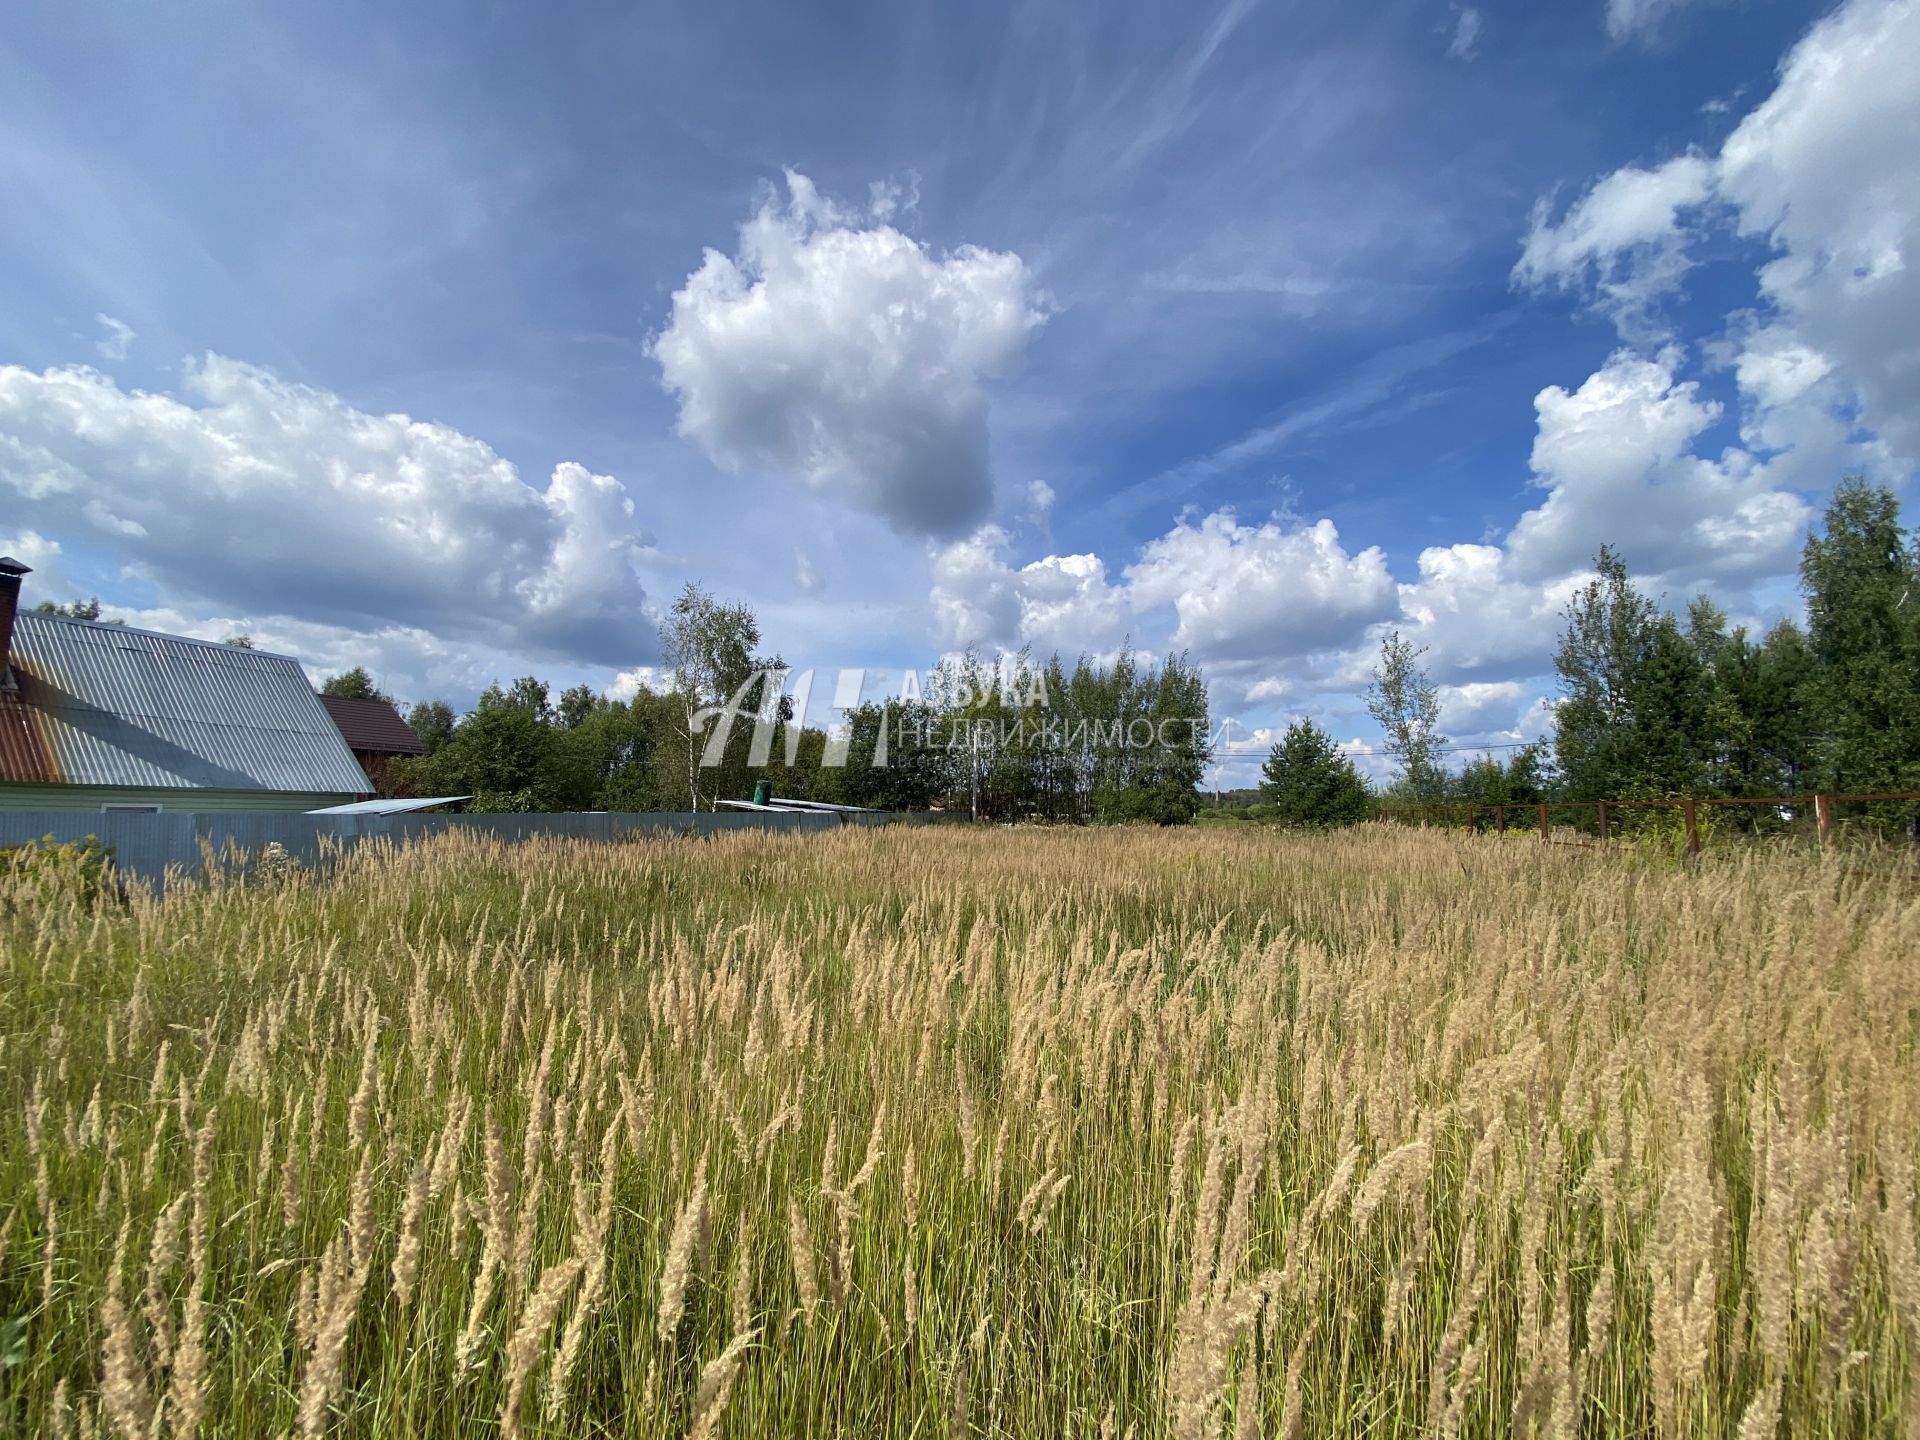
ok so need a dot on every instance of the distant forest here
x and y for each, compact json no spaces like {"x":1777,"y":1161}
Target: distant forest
{"x":1120,"y":741}
{"x":1656,"y":705}
{"x":1652,"y":704}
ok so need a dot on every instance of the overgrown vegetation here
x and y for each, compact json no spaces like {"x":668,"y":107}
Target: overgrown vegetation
{"x":76,"y":872}
{"x":967,"y":1132}
{"x":1655,"y":705}
{"x":1117,"y":741}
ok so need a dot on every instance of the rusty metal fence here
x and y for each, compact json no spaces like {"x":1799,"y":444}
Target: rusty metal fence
{"x":1552,"y":816}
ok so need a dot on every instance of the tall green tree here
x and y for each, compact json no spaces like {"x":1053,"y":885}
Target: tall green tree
{"x":981,"y":708}
{"x":602,"y":752}
{"x":1168,"y":772}
{"x":354,"y":684}
{"x":713,"y":649}
{"x":1633,"y":714}
{"x":432,"y":721}
{"x":1405,"y":703}
{"x":577,"y":702}
{"x":498,"y":754}
{"x":88,"y":609}
{"x":1600,"y":658}
{"x":1757,"y":724}
{"x":1670,"y":733}
{"x":914,"y":769}
{"x":1862,"y":583}
{"x":1309,"y":783}
{"x":1518,"y":780}
{"x":1782,"y":711}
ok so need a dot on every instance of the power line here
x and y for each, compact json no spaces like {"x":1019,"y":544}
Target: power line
{"x":1375,"y":752}
{"x":1371,"y":751}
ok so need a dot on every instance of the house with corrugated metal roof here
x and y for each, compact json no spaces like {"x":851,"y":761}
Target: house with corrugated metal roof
{"x":106,"y":717}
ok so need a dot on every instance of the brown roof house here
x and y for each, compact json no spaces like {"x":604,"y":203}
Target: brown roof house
{"x":106,"y":717}
{"x":376,"y":734}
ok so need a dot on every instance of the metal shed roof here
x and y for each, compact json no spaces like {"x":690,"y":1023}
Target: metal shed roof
{"x":388,"y":807}
{"x":111,"y":705}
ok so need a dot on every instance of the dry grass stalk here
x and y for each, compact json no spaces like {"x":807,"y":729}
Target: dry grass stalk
{"x":679,"y":1258}
{"x":716,"y":1386}
{"x":337,"y":1294}
{"x":800,"y":1250}
{"x":124,"y":1395}
{"x":406,"y":1251}
{"x":525,"y":1346}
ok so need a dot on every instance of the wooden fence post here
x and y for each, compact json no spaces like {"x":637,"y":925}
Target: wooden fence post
{"x":1687,"y":809}
{"x":1823,"y":818}
{"x":1543,"y":822}
{"x":1500,"y":818}
{"x":1603,"y":822}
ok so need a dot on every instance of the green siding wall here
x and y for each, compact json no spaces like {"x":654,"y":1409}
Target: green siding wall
{"x":170,"y":798}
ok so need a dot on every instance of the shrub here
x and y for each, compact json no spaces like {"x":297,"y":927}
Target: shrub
{"x":47,"y":869}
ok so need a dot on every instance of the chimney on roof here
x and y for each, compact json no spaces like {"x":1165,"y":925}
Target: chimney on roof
{"x":10,"y":572}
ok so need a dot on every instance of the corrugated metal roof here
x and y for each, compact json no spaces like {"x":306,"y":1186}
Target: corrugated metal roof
{"x":373,"y":725}
{"x":111,"y":705}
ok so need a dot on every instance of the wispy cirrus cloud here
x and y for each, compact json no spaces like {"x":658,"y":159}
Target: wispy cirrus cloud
{"x":117,"y":343}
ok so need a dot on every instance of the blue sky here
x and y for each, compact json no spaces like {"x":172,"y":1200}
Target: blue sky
{"x":455,"y":341}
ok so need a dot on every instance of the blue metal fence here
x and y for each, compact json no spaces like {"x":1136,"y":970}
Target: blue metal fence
{"x":148,"y":846}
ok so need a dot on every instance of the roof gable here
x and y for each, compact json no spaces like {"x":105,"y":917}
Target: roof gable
{"x":373,"y":725}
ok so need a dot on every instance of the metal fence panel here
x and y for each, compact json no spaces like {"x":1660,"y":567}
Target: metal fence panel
{"x":146,"y":846}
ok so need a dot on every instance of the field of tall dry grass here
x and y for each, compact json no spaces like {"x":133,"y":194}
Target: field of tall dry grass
{"x":946,"y":1133}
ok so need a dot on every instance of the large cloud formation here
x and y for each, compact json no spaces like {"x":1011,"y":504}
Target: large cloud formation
{"x":1822,"y":171}
{"x":1615,"y":458}
{"x":1826,"y":373}
{"x":275,"y":499}
{"x":1058,"y":602}
{"x":1238,"y":593}
{"x":840,"y":352}
{"x":1262,"y":592}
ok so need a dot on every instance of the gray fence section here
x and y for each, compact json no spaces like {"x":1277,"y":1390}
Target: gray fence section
{"x":147,"y":846}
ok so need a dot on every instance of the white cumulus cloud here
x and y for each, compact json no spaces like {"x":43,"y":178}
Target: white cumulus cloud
{"x":1616,"y":460}
{"x":1824,"y":169}
{"x":1475,"y":616}
{"x":1623,"y":243}
{"x":273,"y":499}
{"x":1242,"y":598}
{"x":1480,"y":706}
{"x":1465,"y":43}
{"x":840,"y":352}
{"x":1638,"y":19}
{"x":1261,"y":592}
{"x":629,"y":683}
{"x":1058,"y":602}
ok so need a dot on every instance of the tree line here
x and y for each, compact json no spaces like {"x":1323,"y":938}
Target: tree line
{"x":1097,"y":740}
{"x":1655,"y":704}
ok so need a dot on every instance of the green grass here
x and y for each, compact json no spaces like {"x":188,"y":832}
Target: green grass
{"x":1595,"y":1072}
